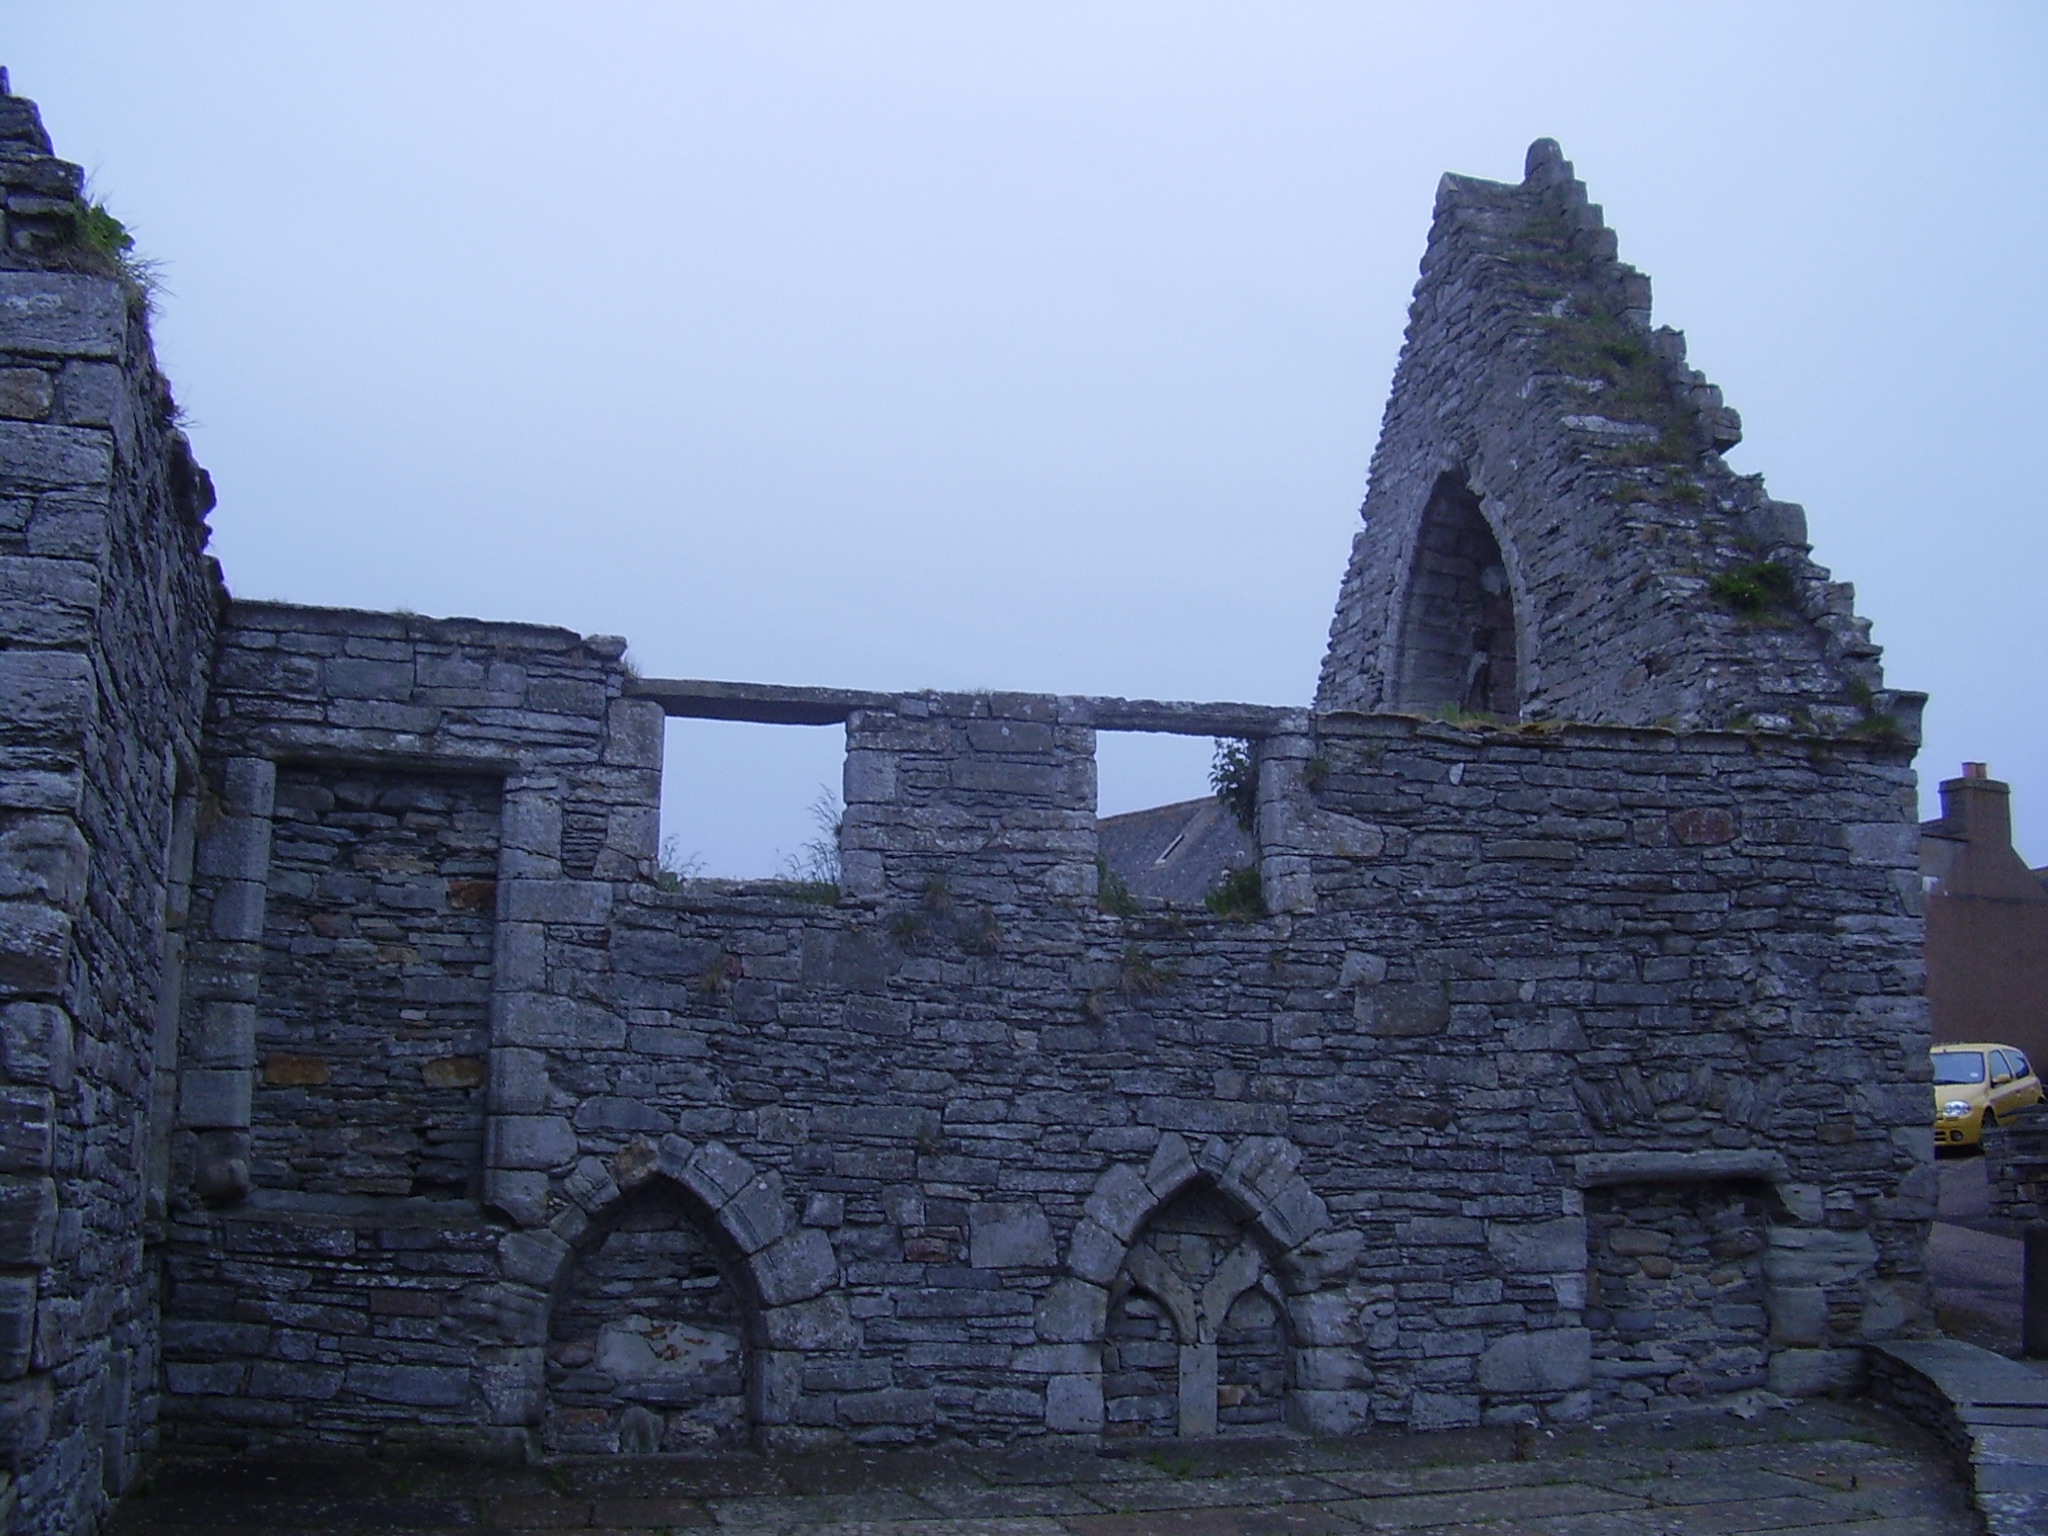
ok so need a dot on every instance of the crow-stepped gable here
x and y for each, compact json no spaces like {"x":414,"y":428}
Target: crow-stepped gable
{"x":366,"y":1086}
{"x":1551,"y":533}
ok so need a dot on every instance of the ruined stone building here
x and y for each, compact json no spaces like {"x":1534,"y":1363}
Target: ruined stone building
{"x":365,"y":1086}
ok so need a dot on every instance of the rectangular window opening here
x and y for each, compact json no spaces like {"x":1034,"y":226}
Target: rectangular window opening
{"x":744,"y":801}
{"x":1165,"y":834}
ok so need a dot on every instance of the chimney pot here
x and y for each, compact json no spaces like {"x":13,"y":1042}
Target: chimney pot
{"x":1976,"y":771}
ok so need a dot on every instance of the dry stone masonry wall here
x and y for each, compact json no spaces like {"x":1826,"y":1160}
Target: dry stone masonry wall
{"x":107,"y":613}
{"x":379,"y":1092}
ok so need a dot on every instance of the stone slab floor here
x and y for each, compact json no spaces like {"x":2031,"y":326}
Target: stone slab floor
{"x":1847,"y":1469}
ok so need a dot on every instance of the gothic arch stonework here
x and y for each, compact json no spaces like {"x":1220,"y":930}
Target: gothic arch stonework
{"x":1301,"y":1262}
{"x":786,"y":1275}
{"x":1438,"y":607}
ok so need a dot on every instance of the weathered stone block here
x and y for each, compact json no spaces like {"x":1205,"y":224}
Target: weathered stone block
{"x":634,"y":730}
{"x":37,"y":457}
{"x":26,"y":394}
{"x":1009,"y":1235}
{"x":1329,"y":1257}
{"x":63,"y":314}
{"x":249,"y":787}
{"x":1073,"y":1405}
{"x":1818,"y":1256}
{"x":1442,"y":1231}
{"x":1799,"y":1314}
{"x":1406,"y":1011}
{"x":587,"y":903}
{"x":1330,"y":1370}
{"x":820,"y":1326}
{"x":797,"y":1268}
{"x":26,"y":1129}
{"x":35,"y":941}
{"x":17,"y":1324}
{"x":44,"y":858}
{"x":1121,"y":1201}
{"x":714,"y":1173}
{"x":529,"y":1141}
{"x":758,"y":1215}
{"x":36,"y":1045}
{"x":417,"y":1386}
{"x":210,"y":1097}
{"x":237,"y":910}
{"x":1071,"y":1312}
{"x":536,"y":1019}
{"x":1553,"y":1360}
{"x":1539,"y":1246}
{"x":1094,"y":1253}
{"x":1442,"y":1410}
{"x":1330,"y":1413}
{"x":532,"y":1258}
{"x":235,"y":848}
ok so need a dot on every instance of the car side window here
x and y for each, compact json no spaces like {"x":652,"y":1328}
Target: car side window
{"x":2020,"y":1065}
{"x":2001,"y":1067}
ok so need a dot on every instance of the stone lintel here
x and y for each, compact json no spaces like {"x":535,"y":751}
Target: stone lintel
{"x":762,"y":703}
{"x":778,"y":704}
{"x":1595,"y":1169}
{"x":1253,"y":721}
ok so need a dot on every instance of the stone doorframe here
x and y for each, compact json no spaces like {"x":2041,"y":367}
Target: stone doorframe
{"x":1306,"y":1253}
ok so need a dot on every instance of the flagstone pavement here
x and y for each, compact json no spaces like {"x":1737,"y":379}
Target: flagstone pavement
{"x":1848,"y":1469}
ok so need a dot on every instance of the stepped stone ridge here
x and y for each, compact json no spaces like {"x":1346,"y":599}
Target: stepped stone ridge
{"x":366,"y":1085}
{"x":1549,"y":510}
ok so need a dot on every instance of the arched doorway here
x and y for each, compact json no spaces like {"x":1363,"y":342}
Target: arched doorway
{"x":648,"y":1346}
{"x":1457,"y":638}
{"x":1196,"y":1340}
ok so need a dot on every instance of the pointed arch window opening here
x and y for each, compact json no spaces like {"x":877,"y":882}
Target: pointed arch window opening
{"x":1458,"y":646}
{"x":1198,"y":1341}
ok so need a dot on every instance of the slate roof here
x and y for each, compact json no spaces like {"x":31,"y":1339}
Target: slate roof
{"x":1176,"y":853}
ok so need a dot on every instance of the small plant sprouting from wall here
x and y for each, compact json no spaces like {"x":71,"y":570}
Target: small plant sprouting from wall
{"x":1112,"y":893}
{"x":1876,"y":724}
{"x":720,"y":975}
{"x":984,"y":937}
{"x":673,"y":866}
{"x":1758,"y":590}
{"x":104,"y":244}
{"x":1631,"y":384}
{"x":1234,"y":775}
{"x":813,"y":873}
{"x":1239,"y":896}
{"x":1140,"y":975}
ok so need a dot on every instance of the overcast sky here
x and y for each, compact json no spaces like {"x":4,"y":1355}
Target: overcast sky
{"x":1037,"y":346}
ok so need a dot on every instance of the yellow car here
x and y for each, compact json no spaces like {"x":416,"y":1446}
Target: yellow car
{"x":1975,"y":1086}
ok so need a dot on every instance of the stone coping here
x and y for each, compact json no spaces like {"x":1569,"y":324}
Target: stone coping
{"x":1993,"y":1414}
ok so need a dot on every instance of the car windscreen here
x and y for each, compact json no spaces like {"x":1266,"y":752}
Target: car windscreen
{"x":1958,"y":1066}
